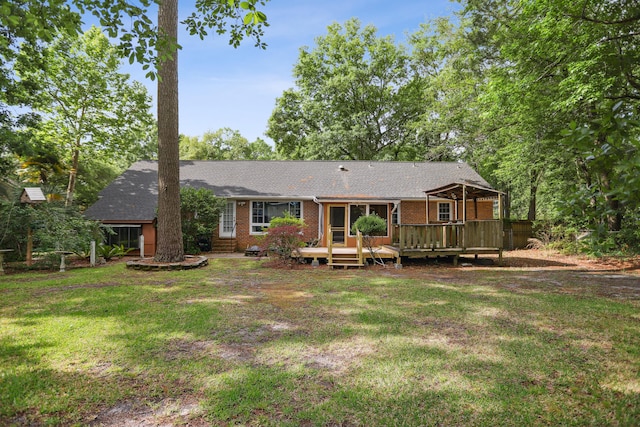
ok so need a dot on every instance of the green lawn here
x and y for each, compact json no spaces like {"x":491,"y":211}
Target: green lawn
{"x":236,"y":343}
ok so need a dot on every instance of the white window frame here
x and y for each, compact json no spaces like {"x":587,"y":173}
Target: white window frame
{"x":224,"y":220}
{"x":262,"y":225}
{"x":441,"y":218}
{"x":368,"y":212}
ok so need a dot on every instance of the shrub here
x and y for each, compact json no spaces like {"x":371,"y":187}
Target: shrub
{"x":54,"y":227}
{"x":284,"y":238}
{"x":114,"y":251}
{"x":370,"y":226}
{"x":200,"y":210}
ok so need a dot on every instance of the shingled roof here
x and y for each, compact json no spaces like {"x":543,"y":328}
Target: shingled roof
{"x":133,"y":195}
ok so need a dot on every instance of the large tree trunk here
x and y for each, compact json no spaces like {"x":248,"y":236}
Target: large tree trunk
{"x":169,"y":242}
{"x":73,"y":174}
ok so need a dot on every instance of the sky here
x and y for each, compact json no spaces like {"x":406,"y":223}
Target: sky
{"x":221,"y":86}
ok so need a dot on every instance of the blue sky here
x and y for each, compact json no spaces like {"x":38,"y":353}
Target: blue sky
{"x":237,"y":88}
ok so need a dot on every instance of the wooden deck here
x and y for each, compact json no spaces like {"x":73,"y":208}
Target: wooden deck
{"x":452,"y":240}
{"x":420,"y":241}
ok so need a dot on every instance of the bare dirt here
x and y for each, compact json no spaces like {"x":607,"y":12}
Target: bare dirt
{"x":551,"y":271}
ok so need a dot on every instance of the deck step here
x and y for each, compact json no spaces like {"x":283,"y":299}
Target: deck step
{"x":345,"y":265}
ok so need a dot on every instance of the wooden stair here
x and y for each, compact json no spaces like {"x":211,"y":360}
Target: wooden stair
{"x":344,"y":260}
{"x":224,"y":246}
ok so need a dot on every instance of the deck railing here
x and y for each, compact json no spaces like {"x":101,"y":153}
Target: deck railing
{"x":472,"y":234}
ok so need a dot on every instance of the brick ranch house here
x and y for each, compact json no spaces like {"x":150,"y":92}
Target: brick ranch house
{"x":326,"y":194}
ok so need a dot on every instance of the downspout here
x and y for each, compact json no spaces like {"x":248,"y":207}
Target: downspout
{"x":320,"y":218}
{"x":395,"y":208}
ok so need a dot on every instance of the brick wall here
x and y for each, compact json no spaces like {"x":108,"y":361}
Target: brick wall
{"x":412,"y":212}
{"x":244,"y":238}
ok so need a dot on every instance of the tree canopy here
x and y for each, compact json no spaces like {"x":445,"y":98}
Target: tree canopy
{"x":355,"y":98}
{"x":541,"y":97}
{"x":88,"y":107}
{"x":224,"y":144}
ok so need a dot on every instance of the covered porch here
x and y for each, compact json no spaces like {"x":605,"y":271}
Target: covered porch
{"x":455,"y":238}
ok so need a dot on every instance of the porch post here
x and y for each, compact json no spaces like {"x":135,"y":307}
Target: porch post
{"x":427,"y":209}
{"x":464,"y":204}
{"x":455,"y":208}
{"x":500,"y":207}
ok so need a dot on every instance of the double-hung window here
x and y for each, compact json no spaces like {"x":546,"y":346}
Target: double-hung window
{"x":262,"y":212}
{"x":444,"y":212}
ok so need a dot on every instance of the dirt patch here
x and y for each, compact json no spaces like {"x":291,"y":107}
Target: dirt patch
{"x":185,"y":349}
{"x":535,"y":270}
{"x":338,"y":357}
{"x":284,"y":296}
{"x":168,"y":412}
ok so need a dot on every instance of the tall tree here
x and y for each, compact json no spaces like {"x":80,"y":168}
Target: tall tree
{"x":356,"y":98}
{"x":24,"y":23}
{"x":572,"y":60}
{"x":246,"y":20}
{"x":169,"y":246}
{"x":87,"y":104}
{"x":141,"y":41}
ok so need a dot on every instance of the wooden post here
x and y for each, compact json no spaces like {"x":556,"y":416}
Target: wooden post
{"x":500,"y":207}
{"x":329,"y":244}
{"x":142,"y":246}
{"x":92,"y":254}
{"x":455,"y":210}
{"x":464,"y":203}
{"x":29,"y":246}
{"x":427,"y":209}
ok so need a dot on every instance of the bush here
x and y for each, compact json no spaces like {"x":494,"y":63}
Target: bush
{"x":114,"y":251}
{"x":370,"y":225}
{"x":200,"y":210}
{"x":54,"y":227}
{"x":284,"y":238}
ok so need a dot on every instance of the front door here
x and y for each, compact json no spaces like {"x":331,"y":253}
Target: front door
{"x":228,"y":220}
{"x":337,"y":221}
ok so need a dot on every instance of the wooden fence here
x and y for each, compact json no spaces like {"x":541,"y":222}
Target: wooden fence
{"x":517,"y":234}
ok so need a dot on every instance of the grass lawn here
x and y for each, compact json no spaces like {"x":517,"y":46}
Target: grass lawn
{"x":236,"y":343}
